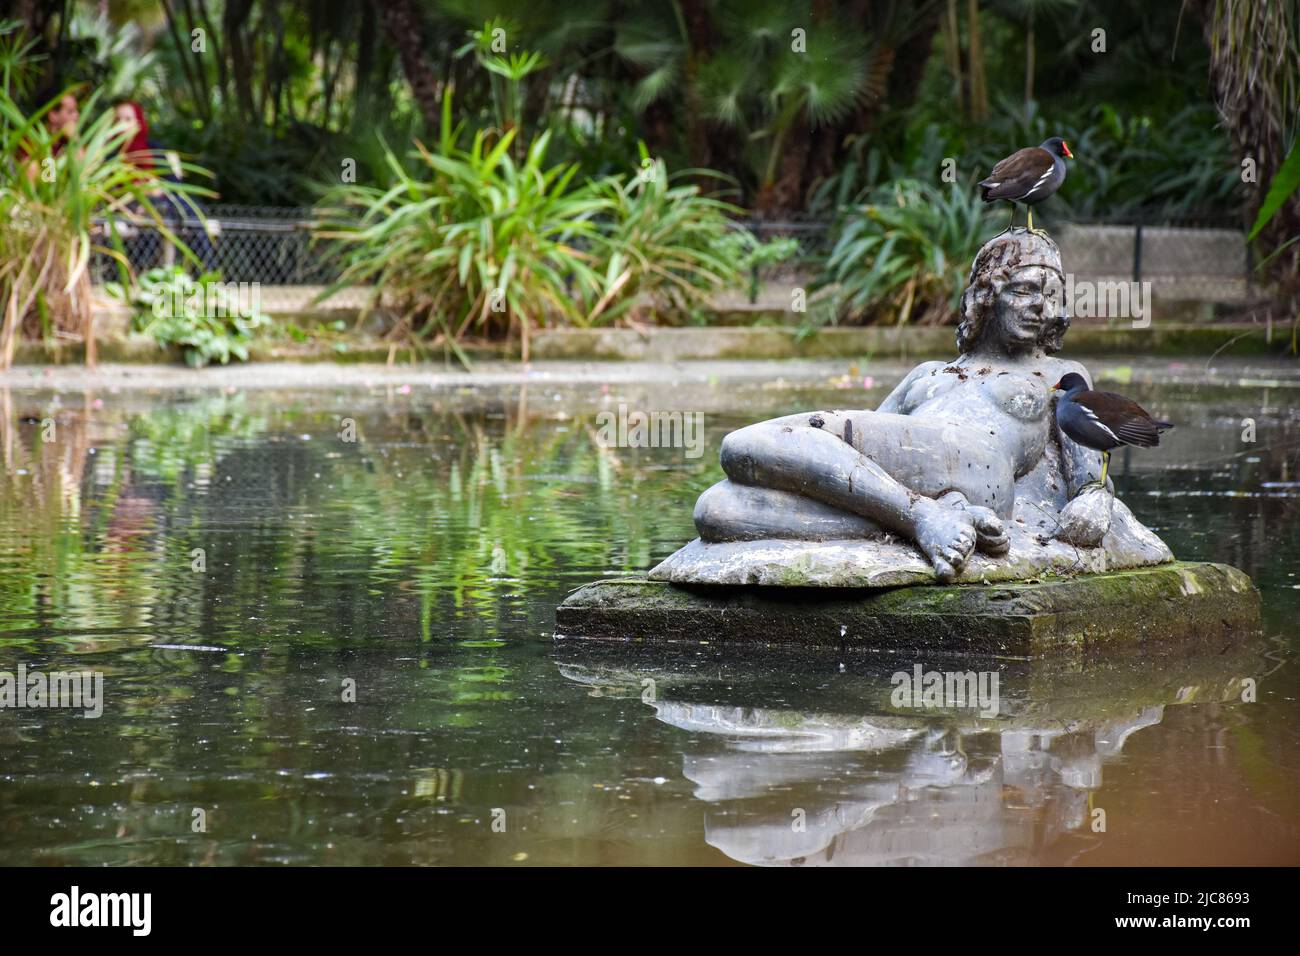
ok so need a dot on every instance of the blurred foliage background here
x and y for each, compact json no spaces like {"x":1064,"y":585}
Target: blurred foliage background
{"x":866,"y":114}
{"x":274,"y":94}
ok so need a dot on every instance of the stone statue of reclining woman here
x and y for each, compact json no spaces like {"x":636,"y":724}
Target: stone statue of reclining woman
{"x":938,"y":464}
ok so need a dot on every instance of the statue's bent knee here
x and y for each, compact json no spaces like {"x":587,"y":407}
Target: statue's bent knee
{"x":737,"y":454}
{"x":729,"y":511}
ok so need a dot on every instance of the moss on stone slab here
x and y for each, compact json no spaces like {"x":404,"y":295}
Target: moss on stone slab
{"x":1181,"y":602}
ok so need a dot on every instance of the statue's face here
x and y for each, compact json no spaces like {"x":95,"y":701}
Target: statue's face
{"x":1030,"y":300}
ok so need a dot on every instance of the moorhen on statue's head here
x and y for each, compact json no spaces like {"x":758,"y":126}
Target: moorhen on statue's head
{"x":1103,"y":420}
{"x":1029,"y":176}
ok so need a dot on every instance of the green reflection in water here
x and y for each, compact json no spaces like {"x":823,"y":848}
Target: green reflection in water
{"x":423,"y":562}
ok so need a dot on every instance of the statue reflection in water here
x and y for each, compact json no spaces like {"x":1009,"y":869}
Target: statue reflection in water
{"x":856,"y":782}
{"x":830,"y":792}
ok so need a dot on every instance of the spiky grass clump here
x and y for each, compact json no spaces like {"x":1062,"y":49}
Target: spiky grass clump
{"x":60,"y":199}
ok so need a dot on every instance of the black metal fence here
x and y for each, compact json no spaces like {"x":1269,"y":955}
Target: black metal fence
{"x":274,"y":246}
{"x":270,"y":245}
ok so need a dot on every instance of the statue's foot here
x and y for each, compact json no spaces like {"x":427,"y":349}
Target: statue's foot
{"x":990,"y":535}
{"x":946,"y":536}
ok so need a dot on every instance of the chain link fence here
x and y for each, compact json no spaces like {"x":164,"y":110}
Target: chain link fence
{"x":1188,"y":259}
{"x":273,"y":246}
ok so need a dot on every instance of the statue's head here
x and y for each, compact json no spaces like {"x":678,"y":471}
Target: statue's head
{"x":1014,"y":300}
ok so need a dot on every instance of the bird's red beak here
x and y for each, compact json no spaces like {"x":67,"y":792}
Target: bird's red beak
{"x":1066,"y":146}
{"x":1056,"y":386}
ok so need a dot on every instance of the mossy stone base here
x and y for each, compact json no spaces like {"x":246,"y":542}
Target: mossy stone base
{"x":1183,"y":602}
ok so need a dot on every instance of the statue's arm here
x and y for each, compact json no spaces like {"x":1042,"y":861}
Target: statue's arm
{"x":894,"y":400}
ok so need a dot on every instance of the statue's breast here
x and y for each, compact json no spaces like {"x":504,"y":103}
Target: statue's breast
{"x":1023,"y":398}
{"x":927,"y":388}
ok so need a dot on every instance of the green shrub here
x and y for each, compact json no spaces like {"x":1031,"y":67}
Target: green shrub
{"x":473,"y":242}
{"x":904,"y":255}
{"x":55,"y":193}
{"x":51,"y":203}
{"x":467,"y":241}
{"x":668,"y":246}
{"x":750,"y":254}
{"x":199,"y":316}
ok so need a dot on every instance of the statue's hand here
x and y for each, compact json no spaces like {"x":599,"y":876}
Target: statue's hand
{"x":1086,"y":519}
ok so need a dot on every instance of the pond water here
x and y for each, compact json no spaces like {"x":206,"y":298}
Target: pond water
{"x":418,"y":568}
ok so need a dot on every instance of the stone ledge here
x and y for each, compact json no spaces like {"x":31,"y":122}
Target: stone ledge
{"x":1182,"y":602}
{"x":910,"y":342}
{"x":712,"y":343}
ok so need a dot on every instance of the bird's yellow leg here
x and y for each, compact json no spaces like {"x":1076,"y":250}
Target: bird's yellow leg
{"x":1097,"y":482}
{"x":1036,"y":232}
{"x":1012,"y":224}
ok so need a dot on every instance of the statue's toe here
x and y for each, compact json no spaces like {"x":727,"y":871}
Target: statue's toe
{"x":985,"y":520}
{"x":990,"y":534}
{"x":946,"y":537}
{"x":995,"y":546}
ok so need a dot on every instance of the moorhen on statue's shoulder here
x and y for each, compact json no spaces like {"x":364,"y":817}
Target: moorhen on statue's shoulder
{"x":1029,"y":176}
{"x":1103,"y":420}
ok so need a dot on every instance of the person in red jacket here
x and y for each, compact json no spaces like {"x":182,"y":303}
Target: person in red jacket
{"x":181,"y":213}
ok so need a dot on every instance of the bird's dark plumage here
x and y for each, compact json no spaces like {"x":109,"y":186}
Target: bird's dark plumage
{"x":1104,"y":420}
{"x":1028,"y":175}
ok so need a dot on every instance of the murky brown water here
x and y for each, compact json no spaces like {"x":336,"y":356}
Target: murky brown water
{"x":421,"y":564}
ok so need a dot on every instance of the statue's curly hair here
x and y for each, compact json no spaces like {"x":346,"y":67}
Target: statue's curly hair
{"x":994,"y":265}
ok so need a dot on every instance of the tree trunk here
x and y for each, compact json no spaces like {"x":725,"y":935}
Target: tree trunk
{"x":952,"y":52}
{"x":1029,"y":64}
{"x":1253,"y":52}
{"x":365,"y":69}
{"x":402,"y":27}
{"x":241,"y":69}
{"x":699,"y":42}
{"x":979,"y":96}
